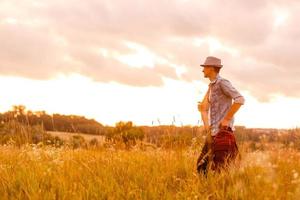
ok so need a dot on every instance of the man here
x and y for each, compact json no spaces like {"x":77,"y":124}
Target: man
{"x":217,"y":109}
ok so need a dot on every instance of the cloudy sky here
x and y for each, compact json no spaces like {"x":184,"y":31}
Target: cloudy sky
{"x":139,"y":60}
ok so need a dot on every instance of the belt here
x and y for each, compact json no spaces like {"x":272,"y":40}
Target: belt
{"x":227,"y":128}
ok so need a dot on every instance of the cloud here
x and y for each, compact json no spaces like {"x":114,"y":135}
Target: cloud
{"x":258,"y":41}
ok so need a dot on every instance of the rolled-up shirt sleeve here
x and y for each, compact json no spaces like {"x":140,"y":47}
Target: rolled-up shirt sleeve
{"x":230,"y":91}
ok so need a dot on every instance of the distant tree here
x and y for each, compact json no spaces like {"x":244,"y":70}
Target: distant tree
{"x":127,"y":132}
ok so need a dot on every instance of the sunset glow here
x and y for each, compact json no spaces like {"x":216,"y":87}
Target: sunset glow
{"x":116,"y":61}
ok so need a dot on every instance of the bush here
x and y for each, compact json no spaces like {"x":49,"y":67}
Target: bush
{"x":19,"y":134}
{"x":77,"y":141}
{"x":125,"y":132}
{"x":94,"y":142}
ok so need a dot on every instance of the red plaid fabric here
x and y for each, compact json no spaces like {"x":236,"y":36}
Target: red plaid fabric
{"x":224,"y":148}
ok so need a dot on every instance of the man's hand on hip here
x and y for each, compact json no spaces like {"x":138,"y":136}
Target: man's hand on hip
{"x":225,"y":122}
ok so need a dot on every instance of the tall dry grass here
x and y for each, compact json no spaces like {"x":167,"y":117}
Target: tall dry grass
{"x":41,"y":171}
{"x":32,"y":172}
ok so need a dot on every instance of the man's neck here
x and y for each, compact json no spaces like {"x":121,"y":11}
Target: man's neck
{"x":213,"y":77}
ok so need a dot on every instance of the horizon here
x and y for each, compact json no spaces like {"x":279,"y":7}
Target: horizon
{"x":152,"y":124}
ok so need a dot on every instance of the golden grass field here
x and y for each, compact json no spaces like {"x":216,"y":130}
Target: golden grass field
{"x":38,"y":171}
{"x":33,"y":172}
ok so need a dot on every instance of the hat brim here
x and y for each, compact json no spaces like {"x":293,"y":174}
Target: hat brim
{"x":211,"y":66}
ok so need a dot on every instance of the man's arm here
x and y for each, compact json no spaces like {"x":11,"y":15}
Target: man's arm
{"x":239,"y":100}
{"x":203,"y":108}
{"x":233,"y":109}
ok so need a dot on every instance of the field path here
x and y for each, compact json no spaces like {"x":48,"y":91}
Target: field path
{"x":67,"y":136}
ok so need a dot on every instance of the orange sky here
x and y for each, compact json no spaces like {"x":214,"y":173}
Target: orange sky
{"x":139,"y":61}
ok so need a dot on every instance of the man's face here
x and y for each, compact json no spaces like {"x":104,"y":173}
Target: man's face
{"x":207,"y":71}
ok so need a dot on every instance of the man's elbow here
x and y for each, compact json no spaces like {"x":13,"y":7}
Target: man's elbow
{"x":239,"y":100}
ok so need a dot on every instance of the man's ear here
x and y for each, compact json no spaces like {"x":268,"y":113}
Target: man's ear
{"x":217,"y":69}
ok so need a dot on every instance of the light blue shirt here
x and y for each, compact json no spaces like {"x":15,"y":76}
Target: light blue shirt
{"x":221,"y":94}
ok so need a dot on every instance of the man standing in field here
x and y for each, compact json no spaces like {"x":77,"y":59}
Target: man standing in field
{"x":217,"y":112}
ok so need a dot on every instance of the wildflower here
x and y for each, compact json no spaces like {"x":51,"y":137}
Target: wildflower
{"x":295,"y":174}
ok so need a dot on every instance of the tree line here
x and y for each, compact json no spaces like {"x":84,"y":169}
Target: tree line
{"x":55,"y":122}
